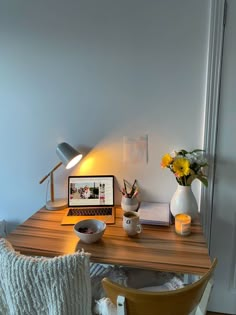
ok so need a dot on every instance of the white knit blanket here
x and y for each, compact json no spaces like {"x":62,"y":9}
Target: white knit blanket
{"x":44,"y":286}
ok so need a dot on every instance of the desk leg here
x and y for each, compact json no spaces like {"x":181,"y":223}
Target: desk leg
{"x":189,"y":278}
{"x":121,"y":305}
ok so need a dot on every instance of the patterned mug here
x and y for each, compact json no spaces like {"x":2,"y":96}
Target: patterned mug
{"x":131,"y":223}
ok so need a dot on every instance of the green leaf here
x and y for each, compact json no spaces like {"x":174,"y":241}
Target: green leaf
{"x":182,"y":152}
{"x":201,"y":178}
{"x":197,"y":150}
{"x":204,"y":180}
{"x":204,"y":165}
{"x":191,"y":179}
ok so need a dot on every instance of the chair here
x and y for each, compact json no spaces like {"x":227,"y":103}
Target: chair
{"x":44,"y":286}
{"x":183,"y":301}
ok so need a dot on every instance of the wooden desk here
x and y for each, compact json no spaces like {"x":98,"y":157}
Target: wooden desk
{"x":157,"y":247}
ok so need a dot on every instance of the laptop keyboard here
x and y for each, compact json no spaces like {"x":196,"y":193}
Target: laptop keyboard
{"x":90,"y":211}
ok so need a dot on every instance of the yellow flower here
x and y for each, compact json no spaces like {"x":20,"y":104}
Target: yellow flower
{"x":181,"y":167}
{"x":166,"y":160}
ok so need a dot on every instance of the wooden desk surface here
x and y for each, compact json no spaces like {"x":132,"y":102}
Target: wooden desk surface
{"x":157,"y":247}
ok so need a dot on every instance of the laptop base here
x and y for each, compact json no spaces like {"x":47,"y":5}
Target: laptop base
{"x":71,"y":218}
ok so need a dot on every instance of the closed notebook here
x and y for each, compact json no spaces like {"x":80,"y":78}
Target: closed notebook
{"x":154,"y":213}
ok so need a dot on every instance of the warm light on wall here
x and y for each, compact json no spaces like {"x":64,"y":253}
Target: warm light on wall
{"x":87,"y":165}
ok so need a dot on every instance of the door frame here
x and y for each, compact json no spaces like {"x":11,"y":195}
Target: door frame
{"x":218,"y":9}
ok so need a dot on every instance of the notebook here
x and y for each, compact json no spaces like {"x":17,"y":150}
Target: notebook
{"x":154,"y":213}
{"x":90,"y":197}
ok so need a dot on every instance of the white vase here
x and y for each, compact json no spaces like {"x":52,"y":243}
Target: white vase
{"x":184,"y":201}
{"x":129,"y":204}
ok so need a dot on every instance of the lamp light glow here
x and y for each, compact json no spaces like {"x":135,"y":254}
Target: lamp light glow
{"x":69,"y":157}
{"x":74,"y":161}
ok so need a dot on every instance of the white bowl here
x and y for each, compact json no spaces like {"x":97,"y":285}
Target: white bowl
{"x":96,"y":227}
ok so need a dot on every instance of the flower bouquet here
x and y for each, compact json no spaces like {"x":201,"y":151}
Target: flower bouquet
{"x":186,"y":166}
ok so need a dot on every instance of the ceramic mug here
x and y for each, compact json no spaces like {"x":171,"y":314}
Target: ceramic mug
{"x":131,"y":223}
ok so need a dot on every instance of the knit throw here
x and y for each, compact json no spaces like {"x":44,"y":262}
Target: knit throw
{"x":44,"y":286}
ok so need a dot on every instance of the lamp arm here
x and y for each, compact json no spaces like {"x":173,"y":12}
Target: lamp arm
{"x":49,"y":174}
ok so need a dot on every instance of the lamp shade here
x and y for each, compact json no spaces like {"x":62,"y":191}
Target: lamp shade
{"x":68,"y":155}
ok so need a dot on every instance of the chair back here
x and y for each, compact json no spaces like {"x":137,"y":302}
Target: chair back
{"x":44,"y":286}
{"x":177,"y":302}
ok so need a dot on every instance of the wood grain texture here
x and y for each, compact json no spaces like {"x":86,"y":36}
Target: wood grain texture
{"x":157,"y":247}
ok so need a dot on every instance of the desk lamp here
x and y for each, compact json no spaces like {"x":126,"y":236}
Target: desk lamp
{"x":69,"y":157}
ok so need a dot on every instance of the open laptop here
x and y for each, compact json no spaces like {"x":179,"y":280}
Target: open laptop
{"x":90,"y":197}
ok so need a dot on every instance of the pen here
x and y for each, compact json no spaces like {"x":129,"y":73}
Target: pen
{"x":134,"y":194}
{"x":124,"y":193}
{"x":133,"y":188}
{"x":125,"y":186}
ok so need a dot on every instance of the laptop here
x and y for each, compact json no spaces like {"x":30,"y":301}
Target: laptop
{"x":90,"y":197}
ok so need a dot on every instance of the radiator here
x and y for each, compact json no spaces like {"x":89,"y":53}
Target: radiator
{"x":3,"y":228}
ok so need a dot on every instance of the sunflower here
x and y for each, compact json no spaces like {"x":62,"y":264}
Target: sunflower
{"x":166,"y":160}
{"x":181,"y":167}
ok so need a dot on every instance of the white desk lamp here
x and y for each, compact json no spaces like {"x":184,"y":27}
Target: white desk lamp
{"x":69,"y":157}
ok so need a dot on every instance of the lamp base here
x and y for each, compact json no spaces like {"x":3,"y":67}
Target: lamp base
{"x":57,"y":204}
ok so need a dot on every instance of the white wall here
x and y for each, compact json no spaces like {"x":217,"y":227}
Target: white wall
{"x":90,"y":72}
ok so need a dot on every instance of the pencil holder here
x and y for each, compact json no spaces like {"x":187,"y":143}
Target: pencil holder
{"x":129,"y":204}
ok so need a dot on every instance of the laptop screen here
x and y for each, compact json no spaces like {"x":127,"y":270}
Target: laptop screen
{"x":90,"y":191}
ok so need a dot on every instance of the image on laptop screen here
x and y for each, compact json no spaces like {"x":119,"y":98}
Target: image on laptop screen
{"x":87,"y":191}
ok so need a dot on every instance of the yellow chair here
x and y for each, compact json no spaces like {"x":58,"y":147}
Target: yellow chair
{"x":192,"y":299}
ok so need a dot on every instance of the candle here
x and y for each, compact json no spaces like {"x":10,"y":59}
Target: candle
{"x":182,"y":224}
